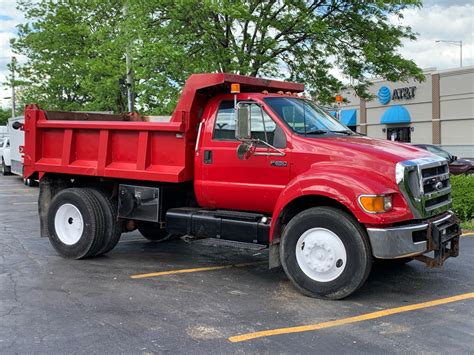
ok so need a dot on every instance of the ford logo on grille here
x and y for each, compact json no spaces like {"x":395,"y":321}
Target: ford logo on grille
{"x":439,"y":185}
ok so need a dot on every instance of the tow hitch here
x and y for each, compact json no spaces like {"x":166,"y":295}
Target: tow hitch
{"x":443,"y":240}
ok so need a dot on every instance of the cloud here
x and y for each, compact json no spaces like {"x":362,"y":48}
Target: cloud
{"x":434,"y":22}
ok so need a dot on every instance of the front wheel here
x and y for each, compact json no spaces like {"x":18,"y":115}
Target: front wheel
{"x":325,"y":253}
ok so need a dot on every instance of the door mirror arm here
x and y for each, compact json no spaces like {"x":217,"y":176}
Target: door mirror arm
{"x":276,"y":151}
{"x":249,"y":147}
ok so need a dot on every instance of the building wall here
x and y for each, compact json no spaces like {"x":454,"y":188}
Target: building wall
{"x":457,"y":111}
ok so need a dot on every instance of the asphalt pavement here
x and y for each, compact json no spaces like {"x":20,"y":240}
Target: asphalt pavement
{"x":211,"y":296}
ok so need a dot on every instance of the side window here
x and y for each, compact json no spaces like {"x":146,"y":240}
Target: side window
{"x":224,"y":128}
{"x":258,"y":129}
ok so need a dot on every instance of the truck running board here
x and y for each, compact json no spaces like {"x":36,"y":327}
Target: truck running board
{"x":221,"y":224}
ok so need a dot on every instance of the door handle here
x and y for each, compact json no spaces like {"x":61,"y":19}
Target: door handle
{"x":208,"y":157}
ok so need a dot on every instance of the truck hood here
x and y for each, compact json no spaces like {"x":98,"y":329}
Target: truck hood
{"x":382,"y":149}
{"x":369,"y":154}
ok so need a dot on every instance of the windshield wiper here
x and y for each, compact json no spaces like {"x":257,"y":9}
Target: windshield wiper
{"x":349,"y":133}
{"x":316,"y":131}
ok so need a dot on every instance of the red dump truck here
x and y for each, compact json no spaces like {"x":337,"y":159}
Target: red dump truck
{"x":242,"y":159}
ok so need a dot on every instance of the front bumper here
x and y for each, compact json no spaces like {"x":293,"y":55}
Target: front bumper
{"x":440,"y":234}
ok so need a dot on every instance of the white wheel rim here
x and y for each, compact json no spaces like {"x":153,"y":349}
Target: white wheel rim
{"x":321,"y":255}
{"x":69,"y":224}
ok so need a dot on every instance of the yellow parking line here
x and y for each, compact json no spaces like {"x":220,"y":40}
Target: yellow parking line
{"x":198,"y":269}
{"x":343,"y":321}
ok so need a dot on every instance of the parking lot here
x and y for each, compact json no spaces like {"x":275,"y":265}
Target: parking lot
{"x":211,"y":297}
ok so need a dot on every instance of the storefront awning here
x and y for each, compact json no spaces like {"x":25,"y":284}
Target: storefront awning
{"x":396,"y":114}
{"x":348,"y":117}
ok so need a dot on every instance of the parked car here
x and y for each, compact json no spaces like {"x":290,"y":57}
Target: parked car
{"x":5,"y":155}
{"x":457,"y":166}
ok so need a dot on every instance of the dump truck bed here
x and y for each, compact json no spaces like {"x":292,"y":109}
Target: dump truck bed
{"x":126,"y":146}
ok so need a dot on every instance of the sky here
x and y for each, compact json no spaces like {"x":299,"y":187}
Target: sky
{"x":438,"y":19}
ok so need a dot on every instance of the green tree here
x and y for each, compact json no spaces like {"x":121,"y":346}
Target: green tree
{"x":297,"y":40}
{"x":76,"y":49}
{"x":5,"y":114}
{"x":74,"y":54}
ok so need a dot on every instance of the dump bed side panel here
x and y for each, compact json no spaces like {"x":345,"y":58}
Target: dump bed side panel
{"x":115,"y":149}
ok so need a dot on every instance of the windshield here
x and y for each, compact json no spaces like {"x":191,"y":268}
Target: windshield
{"x":304,"y":117}
{"x":438,"y":151}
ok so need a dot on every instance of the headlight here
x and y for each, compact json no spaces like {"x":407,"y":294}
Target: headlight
{"x":376,"y":203}
{"x":399,"y":173}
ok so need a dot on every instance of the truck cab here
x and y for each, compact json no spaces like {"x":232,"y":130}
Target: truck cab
{"x":243,"y":159}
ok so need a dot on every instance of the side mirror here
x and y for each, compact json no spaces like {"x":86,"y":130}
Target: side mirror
{"x":245,"y":150}
{"x":17,"y":125}
{"x":243,"y":131}
{"x":454,"y":158}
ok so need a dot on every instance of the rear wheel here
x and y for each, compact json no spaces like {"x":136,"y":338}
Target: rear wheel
{"x":113,"y":227}
{"x":76,"y":223}
{"x":325,"y":253}
{"x":153,"y":231}
{"x":6,"y":170}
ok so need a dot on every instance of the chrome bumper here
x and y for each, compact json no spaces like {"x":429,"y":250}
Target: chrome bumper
{"x":416,"y":239}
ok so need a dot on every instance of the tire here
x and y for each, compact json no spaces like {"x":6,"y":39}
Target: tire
{"x":113,"y":228}
{"x":338,"y":258}
{"x":30,"y":182}
{"x":153,"y":232}
{"x":76,"y":223}
{"x":470,"y":172}
{"x":6,"y":170}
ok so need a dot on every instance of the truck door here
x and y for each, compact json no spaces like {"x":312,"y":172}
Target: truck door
{"x":223,"y":180}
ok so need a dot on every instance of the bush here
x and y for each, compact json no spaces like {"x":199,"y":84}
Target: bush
{"x":463,"y":196}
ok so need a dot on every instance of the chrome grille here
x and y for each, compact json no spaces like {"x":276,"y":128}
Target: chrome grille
{"x":436,"y":187}
{"x":425,"y":185}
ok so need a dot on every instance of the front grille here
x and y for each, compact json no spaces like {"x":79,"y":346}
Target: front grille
{"x":436,"y":186}
{"x":425,"y":185}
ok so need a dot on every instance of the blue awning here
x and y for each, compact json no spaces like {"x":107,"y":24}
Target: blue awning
{"x":348,"y":117}
{"x":332,"y":113}
{"x":396,"y":114}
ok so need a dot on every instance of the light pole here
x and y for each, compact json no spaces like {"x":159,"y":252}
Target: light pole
{"x":456,"y":43}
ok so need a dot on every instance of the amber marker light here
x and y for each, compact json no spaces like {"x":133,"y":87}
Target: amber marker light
{"x":375,"y":203}
{"x":235,"y":88}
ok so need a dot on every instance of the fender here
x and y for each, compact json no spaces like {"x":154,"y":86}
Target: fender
{"x":343,"y":184}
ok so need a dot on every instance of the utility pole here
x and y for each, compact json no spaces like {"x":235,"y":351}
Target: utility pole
{"x":128,"y":61}
{"x":13,"y":66}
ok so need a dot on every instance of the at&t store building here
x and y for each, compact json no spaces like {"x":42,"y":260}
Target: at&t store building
{"x":438,"y":111}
